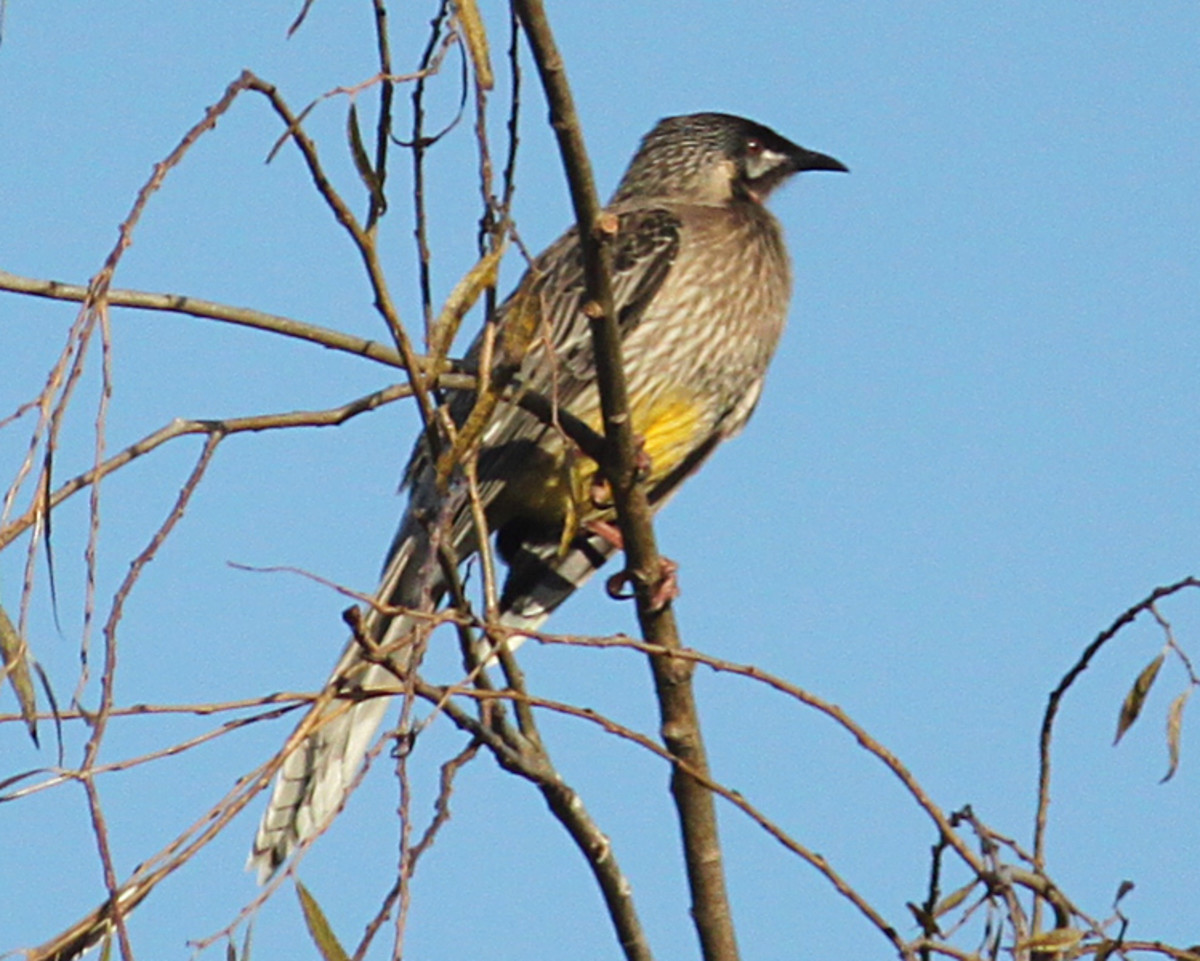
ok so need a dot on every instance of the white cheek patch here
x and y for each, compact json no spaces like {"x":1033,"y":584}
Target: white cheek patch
{"x":762,"y":163}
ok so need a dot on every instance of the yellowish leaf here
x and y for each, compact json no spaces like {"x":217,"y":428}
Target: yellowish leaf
{"x":522,"y":320}
{"x":475,"y":37}
{"x":1175,"y":731}
{"x":521,"y":317}
{"x":14,"y":654}
{"x":318,"y":926}
{"x":1136,"y":698}
{"x":953,"y":899}
{"x":1057,"y":941}
{"x":462,"y":298}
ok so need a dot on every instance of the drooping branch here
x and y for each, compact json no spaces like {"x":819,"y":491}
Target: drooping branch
{"x":1056,"y":696}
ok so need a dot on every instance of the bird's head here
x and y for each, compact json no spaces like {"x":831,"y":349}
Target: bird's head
{"x":713,"y":158}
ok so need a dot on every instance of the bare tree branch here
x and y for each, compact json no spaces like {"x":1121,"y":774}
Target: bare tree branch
{"x":680,"y":721}
{"x":210,"y":310}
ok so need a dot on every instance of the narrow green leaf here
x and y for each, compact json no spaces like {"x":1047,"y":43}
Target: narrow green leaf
{"x":1136,"y":698}
{"x":246,"y":941}
{"x":362,"y":163}
{"x":14,"y":653}
{"x":926,"y":922}
{"x":953,"y":899}
{"x":318,"y":926}
{"x":524,"y":313}
{"x":462,"y":298}
{"x":300,"y":19}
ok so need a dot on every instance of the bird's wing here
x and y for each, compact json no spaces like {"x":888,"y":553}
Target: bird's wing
{"x":555,"y":358}
{"x":643,"y":251}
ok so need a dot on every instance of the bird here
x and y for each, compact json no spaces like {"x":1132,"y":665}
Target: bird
{"x":701,"y":286}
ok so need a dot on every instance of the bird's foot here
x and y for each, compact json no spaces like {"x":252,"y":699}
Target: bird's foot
{"x":666,"y":588}
{"x":663,"y":589}
{"x":606,"y":530}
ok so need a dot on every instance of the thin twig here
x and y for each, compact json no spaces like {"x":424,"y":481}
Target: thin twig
{"x":364,"y":243}
{"x":1056,"y":696}
{"x":209,"y":310}
{"x":65,"y":776}
{"x":535,"y":404}
{"x":564,"y":802}
{"x":419,"y":144}
{"x":612,"y":727}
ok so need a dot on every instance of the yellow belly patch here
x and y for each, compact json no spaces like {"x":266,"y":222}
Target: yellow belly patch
{"x":670,"y":429}
{"x":560,"y":485}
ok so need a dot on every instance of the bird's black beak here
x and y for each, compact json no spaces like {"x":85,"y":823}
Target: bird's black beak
{"x":803,"y":159}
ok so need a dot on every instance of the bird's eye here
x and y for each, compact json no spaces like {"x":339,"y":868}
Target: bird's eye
{"x":754,"y":146}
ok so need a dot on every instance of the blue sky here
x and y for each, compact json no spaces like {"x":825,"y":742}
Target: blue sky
{"x":978,"y":446}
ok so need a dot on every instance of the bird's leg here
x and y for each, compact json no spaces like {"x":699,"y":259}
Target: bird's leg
{"x":666,"y":584}
{"x":606,"y":530}
{"x":664,"y":589}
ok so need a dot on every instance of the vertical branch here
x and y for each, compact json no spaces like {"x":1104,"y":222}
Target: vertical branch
{"x":680,"y":724}
{"x":514,"y":114}
{"x":419,"y":144}
{"x":89,"y":553}
{"x":383,"y":130}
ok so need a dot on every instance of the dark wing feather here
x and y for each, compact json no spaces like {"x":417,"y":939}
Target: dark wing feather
{"x":644,"y":249}
{"x":559,"y":360}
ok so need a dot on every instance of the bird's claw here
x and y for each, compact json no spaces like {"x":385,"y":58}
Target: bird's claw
{"x":606,"y":530}
{"x":664,"y":589}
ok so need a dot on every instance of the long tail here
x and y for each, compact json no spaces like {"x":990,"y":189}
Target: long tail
{"x":315,"y":777}
{"x":313,"y":782}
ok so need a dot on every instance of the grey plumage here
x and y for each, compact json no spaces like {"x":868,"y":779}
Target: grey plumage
{"x":701,"y":282}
